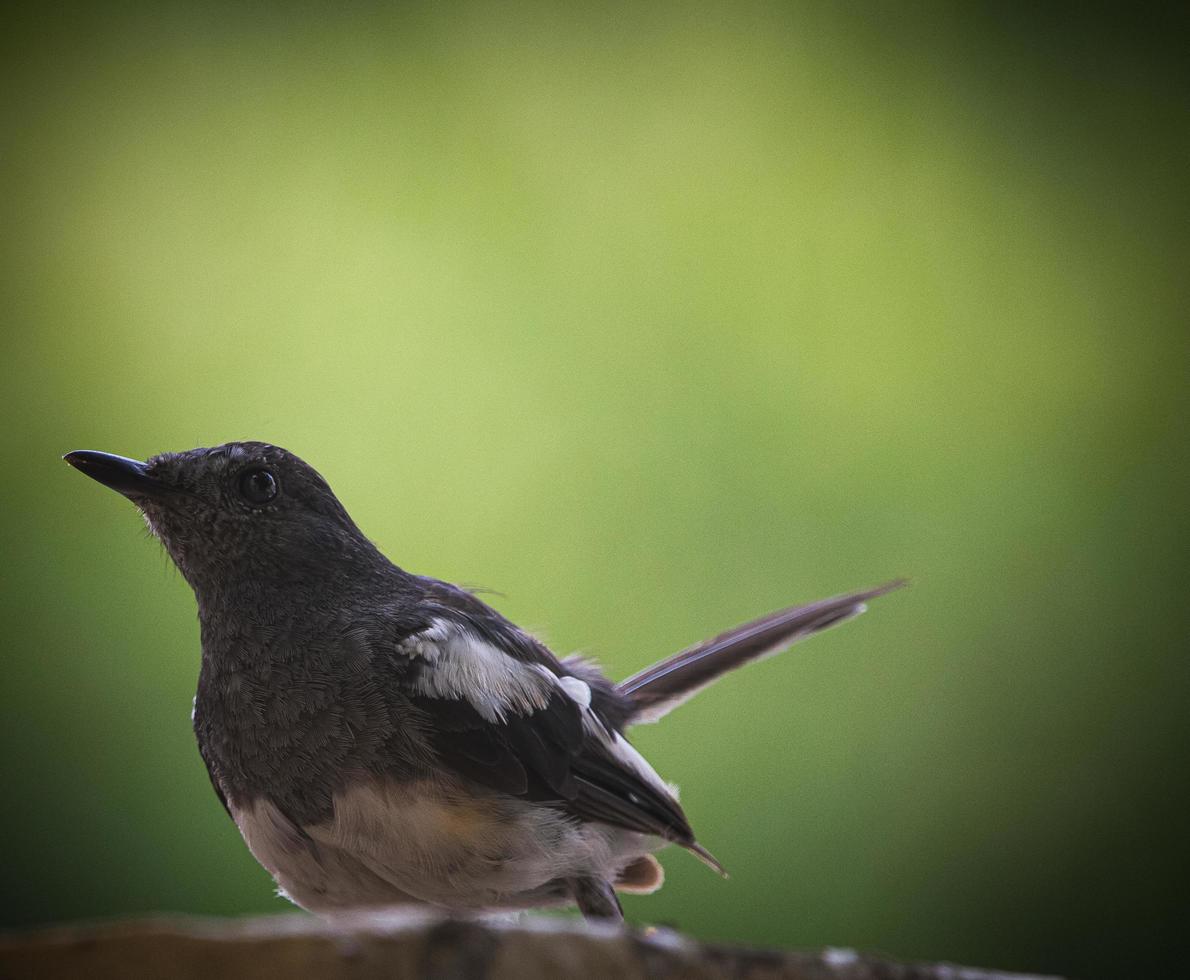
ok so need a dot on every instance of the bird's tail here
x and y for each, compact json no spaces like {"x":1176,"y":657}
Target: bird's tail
{"x":657,"y":690}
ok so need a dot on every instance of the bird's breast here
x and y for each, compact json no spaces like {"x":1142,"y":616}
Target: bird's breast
{"x":296,"y":730}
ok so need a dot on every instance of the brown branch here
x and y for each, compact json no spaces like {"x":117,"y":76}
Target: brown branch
{"x":412,"y":945}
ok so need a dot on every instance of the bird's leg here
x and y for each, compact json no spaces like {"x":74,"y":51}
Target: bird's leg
{"x":595,"y":898}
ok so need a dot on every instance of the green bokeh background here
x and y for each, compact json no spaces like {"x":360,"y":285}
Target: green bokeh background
{"x":652,"y":319}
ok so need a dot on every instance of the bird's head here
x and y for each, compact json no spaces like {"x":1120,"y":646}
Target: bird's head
{"x":241,"y":514}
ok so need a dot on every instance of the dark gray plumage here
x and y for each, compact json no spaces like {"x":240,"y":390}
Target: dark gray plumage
{"x":382,"y":737}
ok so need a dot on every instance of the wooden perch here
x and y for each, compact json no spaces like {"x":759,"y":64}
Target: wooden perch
{"x":416,"y":946}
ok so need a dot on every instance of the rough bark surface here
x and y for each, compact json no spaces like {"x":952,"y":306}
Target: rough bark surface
{"x":400,"y":946}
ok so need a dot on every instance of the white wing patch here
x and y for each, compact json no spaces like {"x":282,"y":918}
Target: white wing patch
{"x":623,"y":751}
{"x":619,"y":747}
{"x":578,"y":690}
{"x":465,"y":666}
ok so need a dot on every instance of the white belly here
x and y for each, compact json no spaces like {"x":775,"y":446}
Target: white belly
{"x":391,"y":843}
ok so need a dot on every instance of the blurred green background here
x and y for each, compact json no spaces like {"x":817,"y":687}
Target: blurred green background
{"x":652,"y":319}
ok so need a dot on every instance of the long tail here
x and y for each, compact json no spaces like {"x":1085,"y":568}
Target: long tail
{"x":657,"y":690}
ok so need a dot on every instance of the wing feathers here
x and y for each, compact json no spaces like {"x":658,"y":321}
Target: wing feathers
{"x":499,"y":709}
{"x":558,"y":751}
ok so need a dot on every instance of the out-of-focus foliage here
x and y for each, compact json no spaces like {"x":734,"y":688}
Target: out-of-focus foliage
{"x":652,"y":317}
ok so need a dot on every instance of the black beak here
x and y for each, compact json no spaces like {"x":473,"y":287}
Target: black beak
{"x":127,"y":476}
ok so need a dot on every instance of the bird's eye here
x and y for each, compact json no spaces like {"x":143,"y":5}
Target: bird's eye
{"x":258,"y":486}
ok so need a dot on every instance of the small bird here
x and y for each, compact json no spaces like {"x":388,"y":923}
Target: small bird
{"x":382,"y":738}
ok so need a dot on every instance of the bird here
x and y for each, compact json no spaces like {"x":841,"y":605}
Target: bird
{"x":382,"y":738}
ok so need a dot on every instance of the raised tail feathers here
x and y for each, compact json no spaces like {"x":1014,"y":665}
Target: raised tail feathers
{"x":657,"y":690}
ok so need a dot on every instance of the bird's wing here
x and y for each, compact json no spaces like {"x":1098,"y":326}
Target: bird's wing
{"x":501,"y":710}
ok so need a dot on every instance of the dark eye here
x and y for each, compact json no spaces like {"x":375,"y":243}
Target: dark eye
{"x":258,"y":486}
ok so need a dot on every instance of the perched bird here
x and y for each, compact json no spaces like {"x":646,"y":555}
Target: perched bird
{"x":381,"y":737}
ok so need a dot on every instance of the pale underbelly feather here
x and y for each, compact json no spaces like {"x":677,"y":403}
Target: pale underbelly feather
{"x":391,"y":843}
